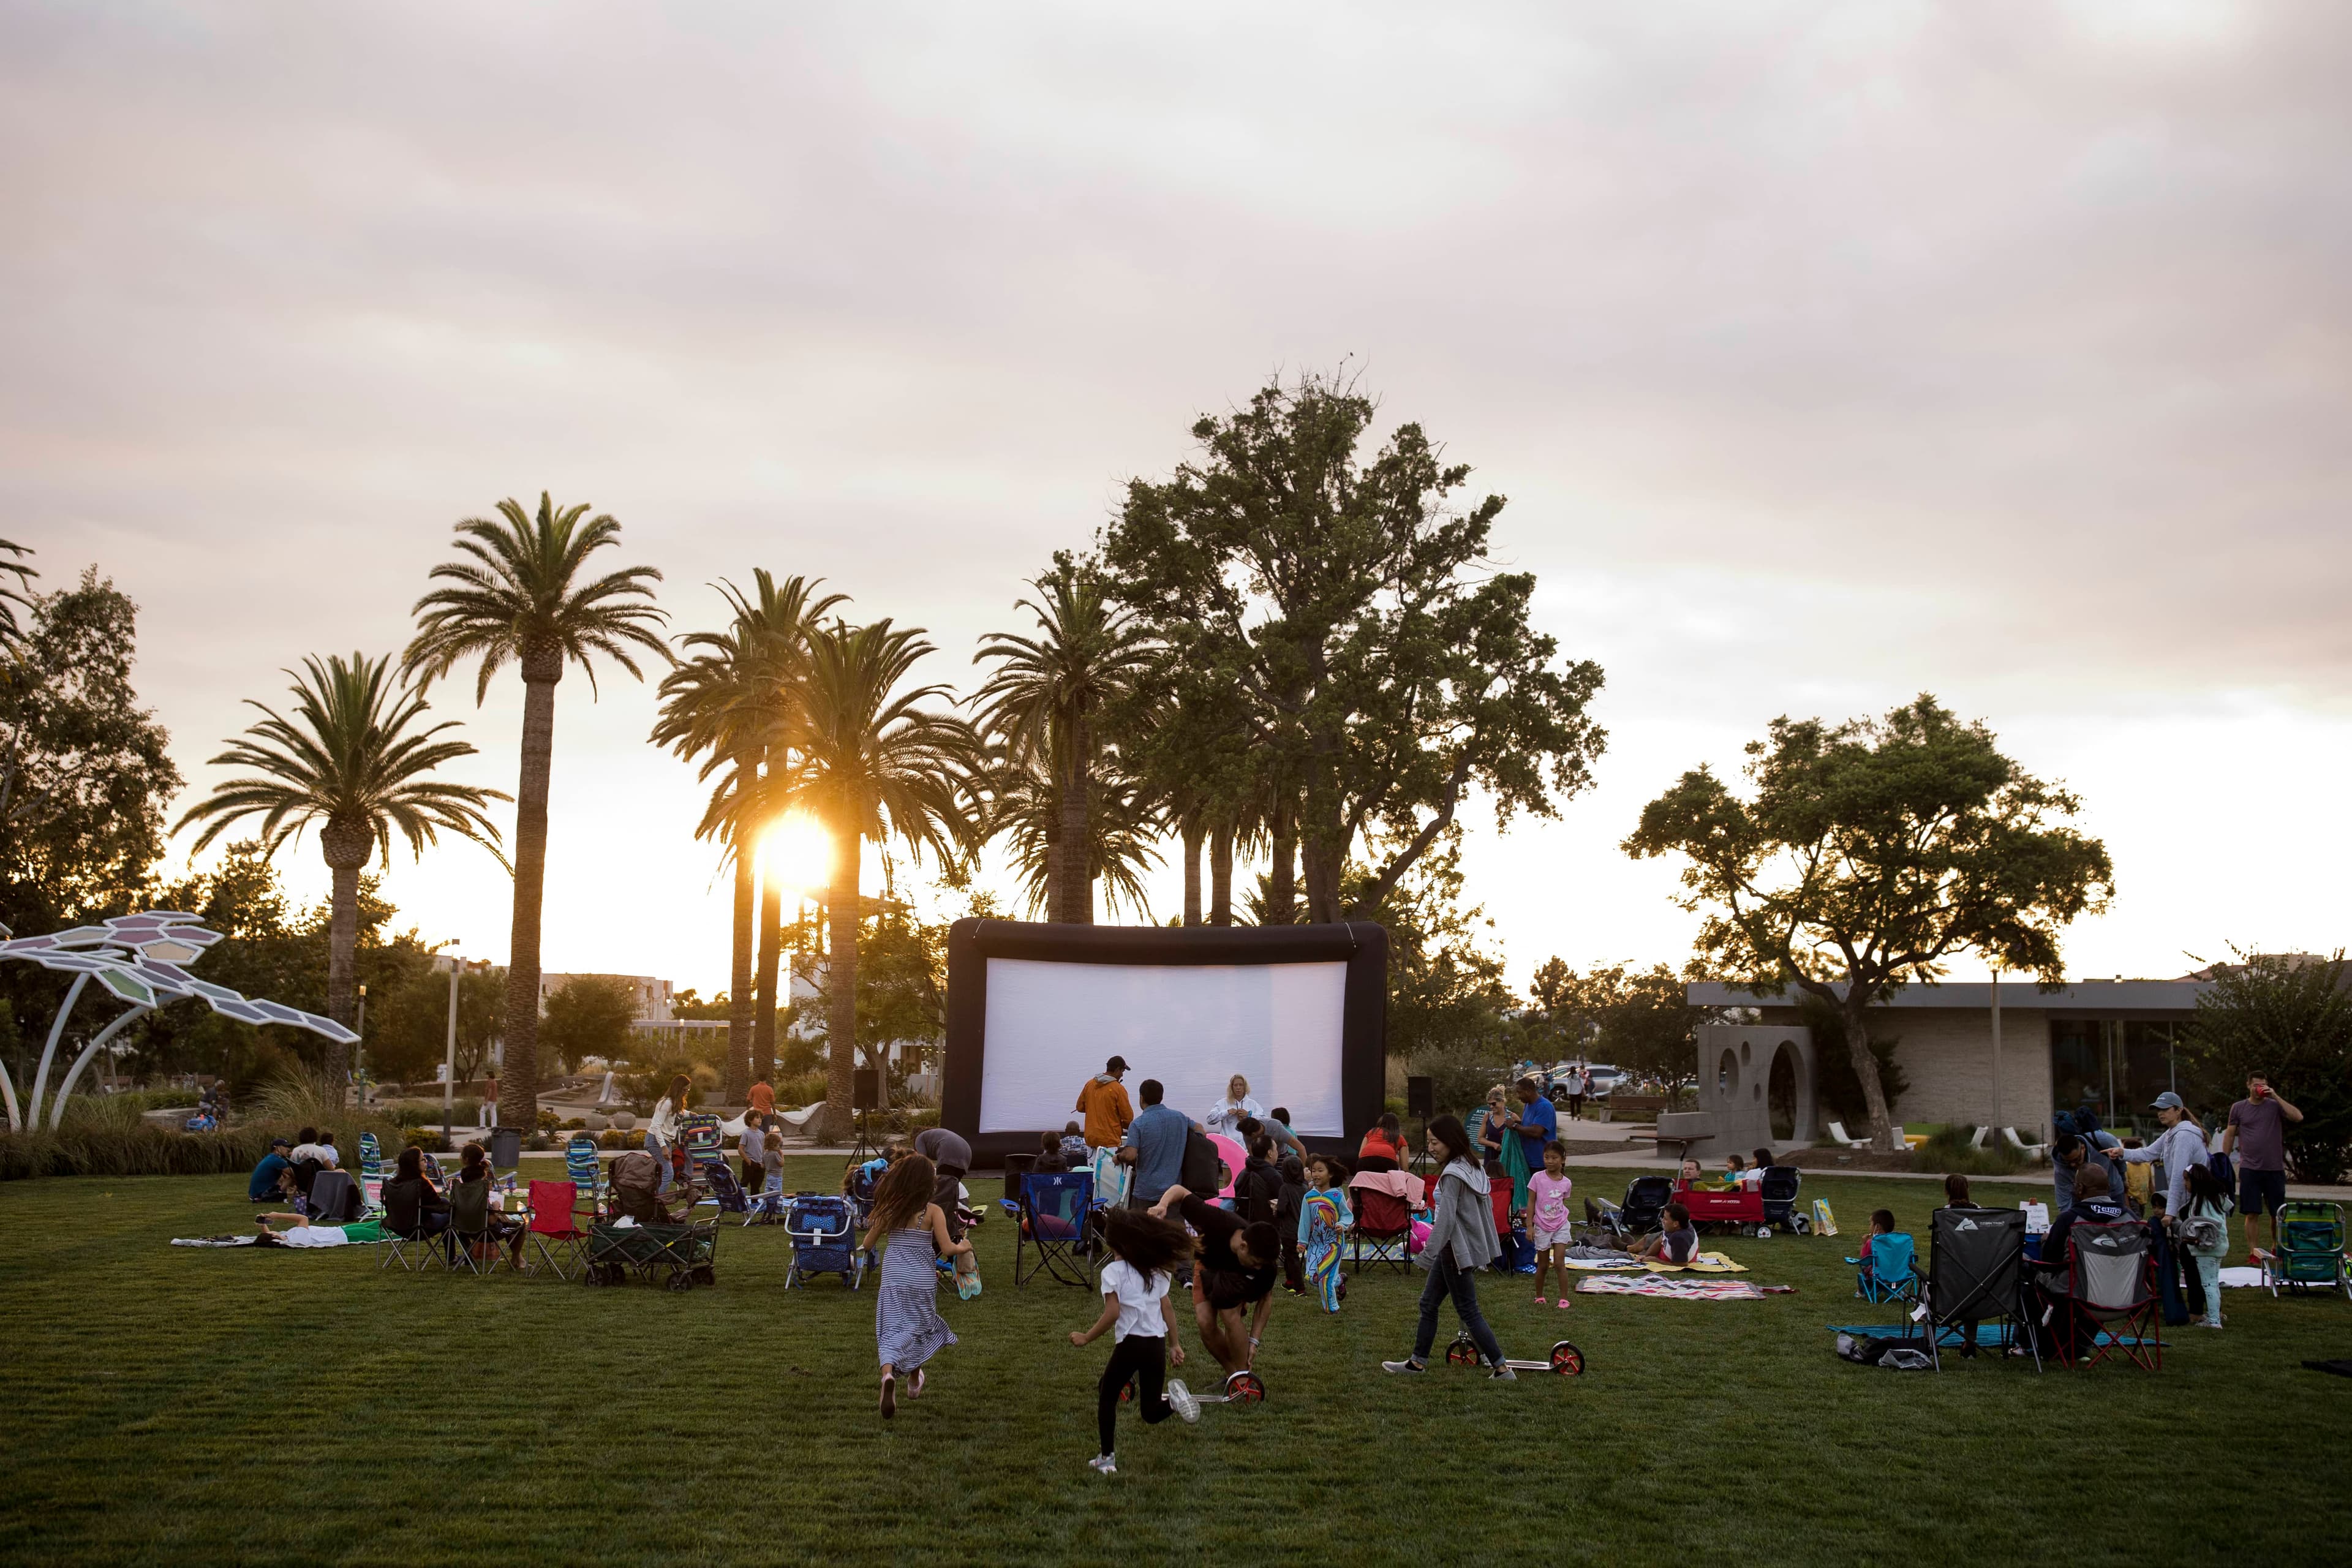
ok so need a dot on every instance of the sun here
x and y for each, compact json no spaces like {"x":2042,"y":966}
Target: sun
{"x":797,"y":853}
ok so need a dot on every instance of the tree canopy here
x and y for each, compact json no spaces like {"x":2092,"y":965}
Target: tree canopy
{"x":589,"y":1016}
{"x":1871,"y":854}
{"x":2288,"y":1017}
{"x":1346,"y":617}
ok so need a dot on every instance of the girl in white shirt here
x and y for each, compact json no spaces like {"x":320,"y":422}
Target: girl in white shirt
{"x":1226,"y":1115}
{"x":1145,"y":1250}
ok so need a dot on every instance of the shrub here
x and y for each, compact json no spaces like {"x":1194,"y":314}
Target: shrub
{"x":577,"y":1124}
{"x":428,"y":1139}
{"x":614,"y":1138}
{"x":1947,"y":1151}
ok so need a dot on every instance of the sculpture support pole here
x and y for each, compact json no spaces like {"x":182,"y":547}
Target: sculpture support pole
{"x":56,"y":1033}
{"x":57,"y":1103}
{"x":8,"y":1096}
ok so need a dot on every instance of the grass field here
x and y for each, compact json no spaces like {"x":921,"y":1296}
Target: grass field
{"x":179,"y":1406}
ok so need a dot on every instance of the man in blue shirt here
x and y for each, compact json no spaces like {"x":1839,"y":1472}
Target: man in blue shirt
{"x":262,"y":1186}
{"x":1157,"y":1136}
{"x":1539,"y":1120}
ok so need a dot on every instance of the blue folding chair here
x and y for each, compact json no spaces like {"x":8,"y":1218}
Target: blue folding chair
{"x":584,"y":1170}
{"x":1888,"y":1269}
{"x":1056,"y":1209}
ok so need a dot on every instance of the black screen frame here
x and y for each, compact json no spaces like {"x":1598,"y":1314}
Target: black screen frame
{"x":1362,"y":945}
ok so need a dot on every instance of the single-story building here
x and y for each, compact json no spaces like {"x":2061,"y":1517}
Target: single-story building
{"x":2003,"y":1053}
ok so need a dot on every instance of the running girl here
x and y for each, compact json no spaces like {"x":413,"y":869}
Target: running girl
{"x":1145,"y":1250}
{"x":907,"y":1329}
{"x":1548,"y":1222}
{"x":1322,"y":1221}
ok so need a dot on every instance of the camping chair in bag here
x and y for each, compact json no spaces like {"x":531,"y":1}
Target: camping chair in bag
{"x":555,"y":1225}
{"x":585,"y":1172}
{"x":2310,"y":1254}
{"x":1976,"y":1272}
{"x":1383,"y":1222}
{"x":334,"y":1198}
{"x":1888,"y":1269}
{"x":471,"y":1243}
{"x":1055,"y":1206}
{"x":2111,"y":1279}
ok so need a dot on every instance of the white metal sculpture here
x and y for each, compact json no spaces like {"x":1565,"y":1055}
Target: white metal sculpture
{"x":142,"y":958}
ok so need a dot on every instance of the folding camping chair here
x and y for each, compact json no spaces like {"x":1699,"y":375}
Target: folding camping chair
{"x":1383,"y":1222}
{"x":2310,"y":1254}
{"x":555,"y":1225}
{"x":1055,"y":1208}
{"x":700,"y":1135}
{"x":585,"y":1172}
{"x":470,"y":1244}
{"x":1976,"y":1272}
{"x":371,"y":1176}
{"x":2111,"y":1282}
{"x":1888,"y":1269}
{"x":334,"y":1198}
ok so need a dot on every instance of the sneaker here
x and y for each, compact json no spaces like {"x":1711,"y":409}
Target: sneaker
{"x":1406,"y":1365}
{"x":1104,"y":1464}
{"x":1504,"y":1374}
{"x":1182,"y":1401}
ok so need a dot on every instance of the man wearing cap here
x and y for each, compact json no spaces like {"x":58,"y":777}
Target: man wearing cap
{"x":262,"y":1187}
{"x":1103,"y":1102}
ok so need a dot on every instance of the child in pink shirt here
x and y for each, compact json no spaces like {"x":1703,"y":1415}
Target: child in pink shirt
{"x":1548,"y":1223}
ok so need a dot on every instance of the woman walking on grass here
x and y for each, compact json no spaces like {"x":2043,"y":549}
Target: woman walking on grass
{"x":1460,"y":1243}
{"x":907,"y":1328}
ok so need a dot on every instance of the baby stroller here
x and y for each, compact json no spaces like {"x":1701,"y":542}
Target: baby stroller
{"x":1646,"y":1198}
{"x":824,"y":1232}
{"x":1780,"y":1193}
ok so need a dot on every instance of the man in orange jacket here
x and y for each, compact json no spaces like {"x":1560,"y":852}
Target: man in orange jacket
{"x":1103,"y":1102}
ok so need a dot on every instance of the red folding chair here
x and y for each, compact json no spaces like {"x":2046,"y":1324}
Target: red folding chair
{"x":1383,"y":1222}
{"x":554,"y":1228}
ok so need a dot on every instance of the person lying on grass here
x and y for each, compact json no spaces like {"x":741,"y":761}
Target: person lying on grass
{"x":1677,"y":1243}
{"x":1235,"y":1269}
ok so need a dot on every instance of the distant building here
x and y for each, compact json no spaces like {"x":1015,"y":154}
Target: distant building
{"x":653,"y":995}
{"x":2004,"y":1054}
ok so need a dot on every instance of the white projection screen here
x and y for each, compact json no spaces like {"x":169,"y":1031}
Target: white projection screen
{"x":1034,"y":1011}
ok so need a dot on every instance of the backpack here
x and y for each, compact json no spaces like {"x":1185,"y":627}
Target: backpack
{"x":1197,"y":1173}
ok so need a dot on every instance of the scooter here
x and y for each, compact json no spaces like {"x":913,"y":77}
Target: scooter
{"x":1241,"y":1388}
{"x":1565,"y":1359}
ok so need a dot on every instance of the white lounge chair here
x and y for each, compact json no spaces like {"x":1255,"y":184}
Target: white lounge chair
{"x":1838,"y":1134}
{"x":2031,"y":1150}
{"x":798,"y":1120}
{"x":1976,"y":1139}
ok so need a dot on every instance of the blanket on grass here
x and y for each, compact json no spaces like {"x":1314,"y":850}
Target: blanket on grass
{"x":299,"y":1236}
{"x":1658,"y":1285}
{"x":1625,"y":1262}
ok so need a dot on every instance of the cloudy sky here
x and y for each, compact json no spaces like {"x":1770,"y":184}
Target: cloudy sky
{"x":1827,"y":354}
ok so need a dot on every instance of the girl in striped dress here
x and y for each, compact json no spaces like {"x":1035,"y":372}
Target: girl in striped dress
{"x":907,"y":1329}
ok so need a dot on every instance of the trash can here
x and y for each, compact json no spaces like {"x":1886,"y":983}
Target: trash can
{"x":506,"y":1148}
{"x":1015,"y":1167}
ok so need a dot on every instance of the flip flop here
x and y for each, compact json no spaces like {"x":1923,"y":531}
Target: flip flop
{"x":889,"y":1396}
{"x":915,"y":1388}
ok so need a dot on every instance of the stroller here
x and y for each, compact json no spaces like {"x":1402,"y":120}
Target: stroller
{"x":823,"y":1231}
{"x":1778,"y":1190}
{"x":1646,"y":1198}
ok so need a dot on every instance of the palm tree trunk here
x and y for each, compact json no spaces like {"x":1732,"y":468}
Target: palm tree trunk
{"x":518,"y":1074}
{"x":1193,"y":836}
{"x":346,"y":848}
{"x":772,"y":941}
{"x":1077,"y":842}
{"x":1221,"y":876}
{"x":739,"y":999}
{"x":841,"y":985}
{"x":1282,"y":884}
{"x":1054,"y":871}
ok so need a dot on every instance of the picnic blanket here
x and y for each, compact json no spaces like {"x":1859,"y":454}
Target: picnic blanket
{"x":1658,"y":1285}
{"x":1626,"y":1263}
{"x":300,"y":1236}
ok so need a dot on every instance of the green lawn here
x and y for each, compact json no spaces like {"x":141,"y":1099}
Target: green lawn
{"x":177,"y":1406}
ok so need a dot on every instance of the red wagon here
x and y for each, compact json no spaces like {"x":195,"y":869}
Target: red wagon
{"x":1742,"y":1208}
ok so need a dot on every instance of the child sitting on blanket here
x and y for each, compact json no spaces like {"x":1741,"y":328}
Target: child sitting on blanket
{"x":1678,"y":1243}
{"x":1323,"y":1218}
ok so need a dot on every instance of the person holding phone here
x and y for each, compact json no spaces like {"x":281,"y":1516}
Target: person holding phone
{"x":2256,"y":1138}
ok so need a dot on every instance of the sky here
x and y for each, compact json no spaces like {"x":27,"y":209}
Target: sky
{"x":1826,"y":353}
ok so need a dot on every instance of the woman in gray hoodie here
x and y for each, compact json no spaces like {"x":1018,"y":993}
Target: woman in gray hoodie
{"x":1461,"y":1242}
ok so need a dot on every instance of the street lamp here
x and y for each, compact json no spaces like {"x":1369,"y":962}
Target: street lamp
{"x":458,"y":967}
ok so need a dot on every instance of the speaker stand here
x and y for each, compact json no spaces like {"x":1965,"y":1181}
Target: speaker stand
{"x":866,"y":1148}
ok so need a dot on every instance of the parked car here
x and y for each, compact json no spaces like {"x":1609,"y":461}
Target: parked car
{"x":1604,"y":1080}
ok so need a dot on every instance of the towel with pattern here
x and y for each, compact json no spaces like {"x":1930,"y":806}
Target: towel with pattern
{"x":1625,"y":1262}
{"x":1673,"y":1289}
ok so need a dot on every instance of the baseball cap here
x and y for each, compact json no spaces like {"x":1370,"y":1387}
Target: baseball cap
{"x":2168,"y":1100}
{"x":1116,"y":1064}
{"x":282,"y":1144}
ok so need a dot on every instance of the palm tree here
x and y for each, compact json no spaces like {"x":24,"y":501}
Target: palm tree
{"x":1049,"y":691}
{"x":11,"y":634}
{"x":872,"y":763}
{"x":729,"y":701}
{"x":351,"y":761}
{"x":521,"y":595}
{"x":1116,"y":847}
